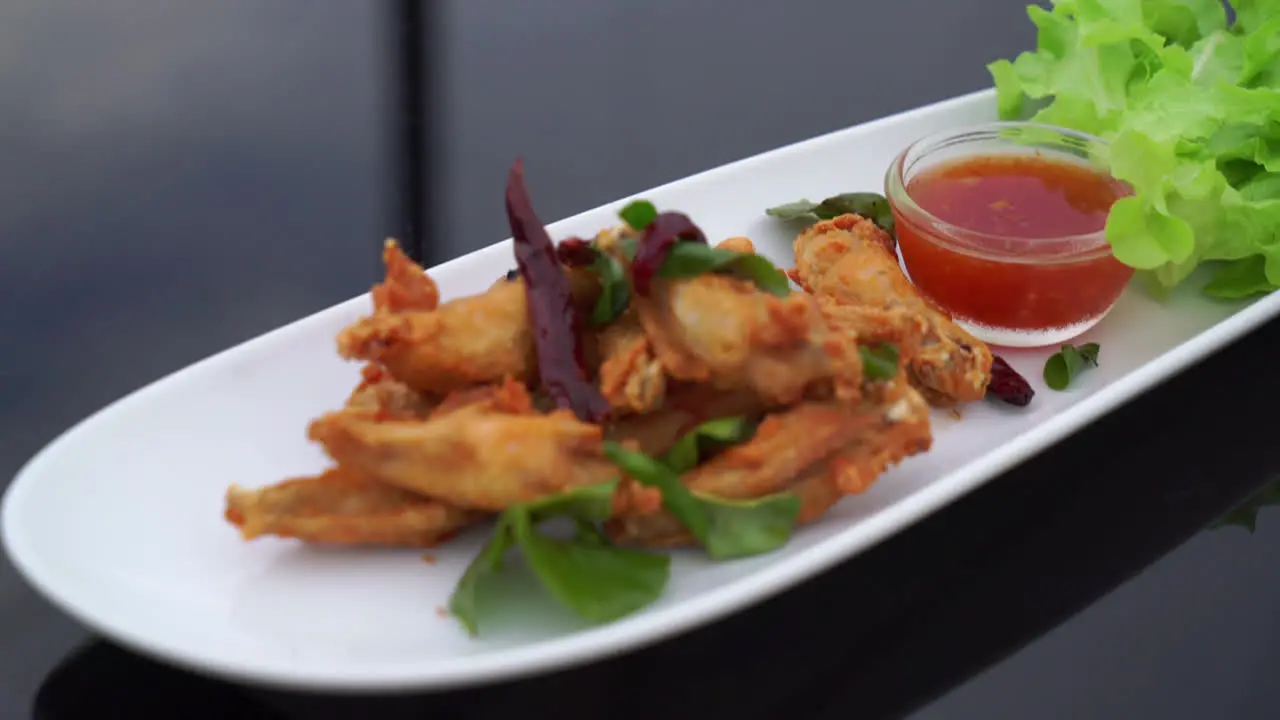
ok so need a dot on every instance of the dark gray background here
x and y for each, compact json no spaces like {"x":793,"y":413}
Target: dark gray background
{"x":177,"y":177}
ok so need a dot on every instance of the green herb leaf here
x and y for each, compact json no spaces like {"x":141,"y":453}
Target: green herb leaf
{"x":727,"y":529}
{"x":696,"y":444}
{"x":1089,"y":353}
{"x":879,"y":362}
{"x":799,"y":210}
{"x":688,"y":259}
{"x":869,"y":205}
{"x":675,"y":496}
{"x":638,"y":214}
{"x":464,"y":604}
{"x":615,"y":290}
{"x":1065,"y":364}
{"x":742,"y":528}
{"x":1245,"y":514}
{"x":599,"y":582}
{"x":591,"y":502}
{"x":629,"y":246}
{"x":1240,"y":279}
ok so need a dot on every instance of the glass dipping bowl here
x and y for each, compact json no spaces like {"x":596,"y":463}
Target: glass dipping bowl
{"x":1008,"y":273}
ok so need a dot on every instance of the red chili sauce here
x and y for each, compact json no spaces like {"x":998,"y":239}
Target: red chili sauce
{"x":1007,"y":262}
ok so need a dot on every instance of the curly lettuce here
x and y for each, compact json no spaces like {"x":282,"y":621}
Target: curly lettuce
{"x":1190,"y":100}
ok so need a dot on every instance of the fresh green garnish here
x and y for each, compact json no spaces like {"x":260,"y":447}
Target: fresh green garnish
{"x":629,"y":246}
{"x":1191,"y":107}
{"x":1245,"y":514}
{"x":638,"y":214}
{"x":596,"y":580}
{"x":1241,"y":279}
{"x":869,"y":205}
{"x":1065,"y":364}
{"x":615,"y":289}
{"x":689,"y":259}
{"x":697,"y":444}
{"x":726,"y":529}
{"x":879,"y":362}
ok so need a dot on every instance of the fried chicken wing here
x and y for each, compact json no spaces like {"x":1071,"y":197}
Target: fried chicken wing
{"x":406,"y":285}
{"x":870,"y":326}
{"x":851,"y":261}
{"x":725,"y":332}
{"x":380,"y":394}
{"x":819,"y":450}
{"x":685,"y":407}
{"x":473,"y":457}
{"x":631,"y":377}
{"x":467,"y":341}
{"x":738,"y":244}
{"x":344,"y":507}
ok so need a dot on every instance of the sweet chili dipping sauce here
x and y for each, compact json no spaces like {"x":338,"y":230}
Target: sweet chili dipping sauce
{"x":1010,"y":243}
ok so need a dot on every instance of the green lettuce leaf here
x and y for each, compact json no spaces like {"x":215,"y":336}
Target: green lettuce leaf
{"x":1253,"y":14}
{"x":1192,"y":110}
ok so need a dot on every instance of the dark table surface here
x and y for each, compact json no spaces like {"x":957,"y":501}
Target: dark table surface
{"x":182,"y":176}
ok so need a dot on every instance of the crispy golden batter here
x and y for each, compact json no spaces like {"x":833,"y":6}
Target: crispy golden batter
{"x":851,"y":261}
{"x":631,"y":378}
{"x":685,"y":407}
{"x":725,"y":332}
{"x":870,"y":326}
{"x":474,"y":456}
{"x":468,"y":341}
{"x":819,"y":450}
{"x":449,"y":424}
{"x":737,"y":244}
{"x":406,"y":285}
{"x":379,"y":393}
{"x":342,"y":507}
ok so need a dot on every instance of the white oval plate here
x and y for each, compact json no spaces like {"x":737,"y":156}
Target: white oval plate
{"x":118,"y":521}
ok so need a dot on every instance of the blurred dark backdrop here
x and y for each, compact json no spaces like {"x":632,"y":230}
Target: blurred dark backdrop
{"x":178,"y":177}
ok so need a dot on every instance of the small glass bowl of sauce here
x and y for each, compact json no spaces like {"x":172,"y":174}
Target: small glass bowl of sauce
{"x":1002,"y":225}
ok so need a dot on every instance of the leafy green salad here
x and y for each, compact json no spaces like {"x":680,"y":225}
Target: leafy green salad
{"x":1188,"y":94}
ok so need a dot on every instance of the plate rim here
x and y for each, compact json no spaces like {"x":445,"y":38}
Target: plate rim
{"x":641,"y":630}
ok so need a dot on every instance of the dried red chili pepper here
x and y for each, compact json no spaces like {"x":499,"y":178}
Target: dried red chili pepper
{"x":659,"y":236}
{"x":556,"y":323}
{"x":1007,"y":385}
{"x":575,"y":252}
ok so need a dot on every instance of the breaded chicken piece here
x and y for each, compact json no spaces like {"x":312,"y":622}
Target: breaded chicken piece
{"x":819,"y":450}
{"x":467,"y":341}
{"x":477,"y":455}
{"x":406,"y":285}
{"x":343,"y":507}
{"x":631,"y":379}
{"x":380,"y":394}
{"x":685,"y":407}
{"x":871,"y":326}
{"x":509,"y":396}
{"x":725,"y":332}
{"x":738,"y":243}
{"x":851,"y":260}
